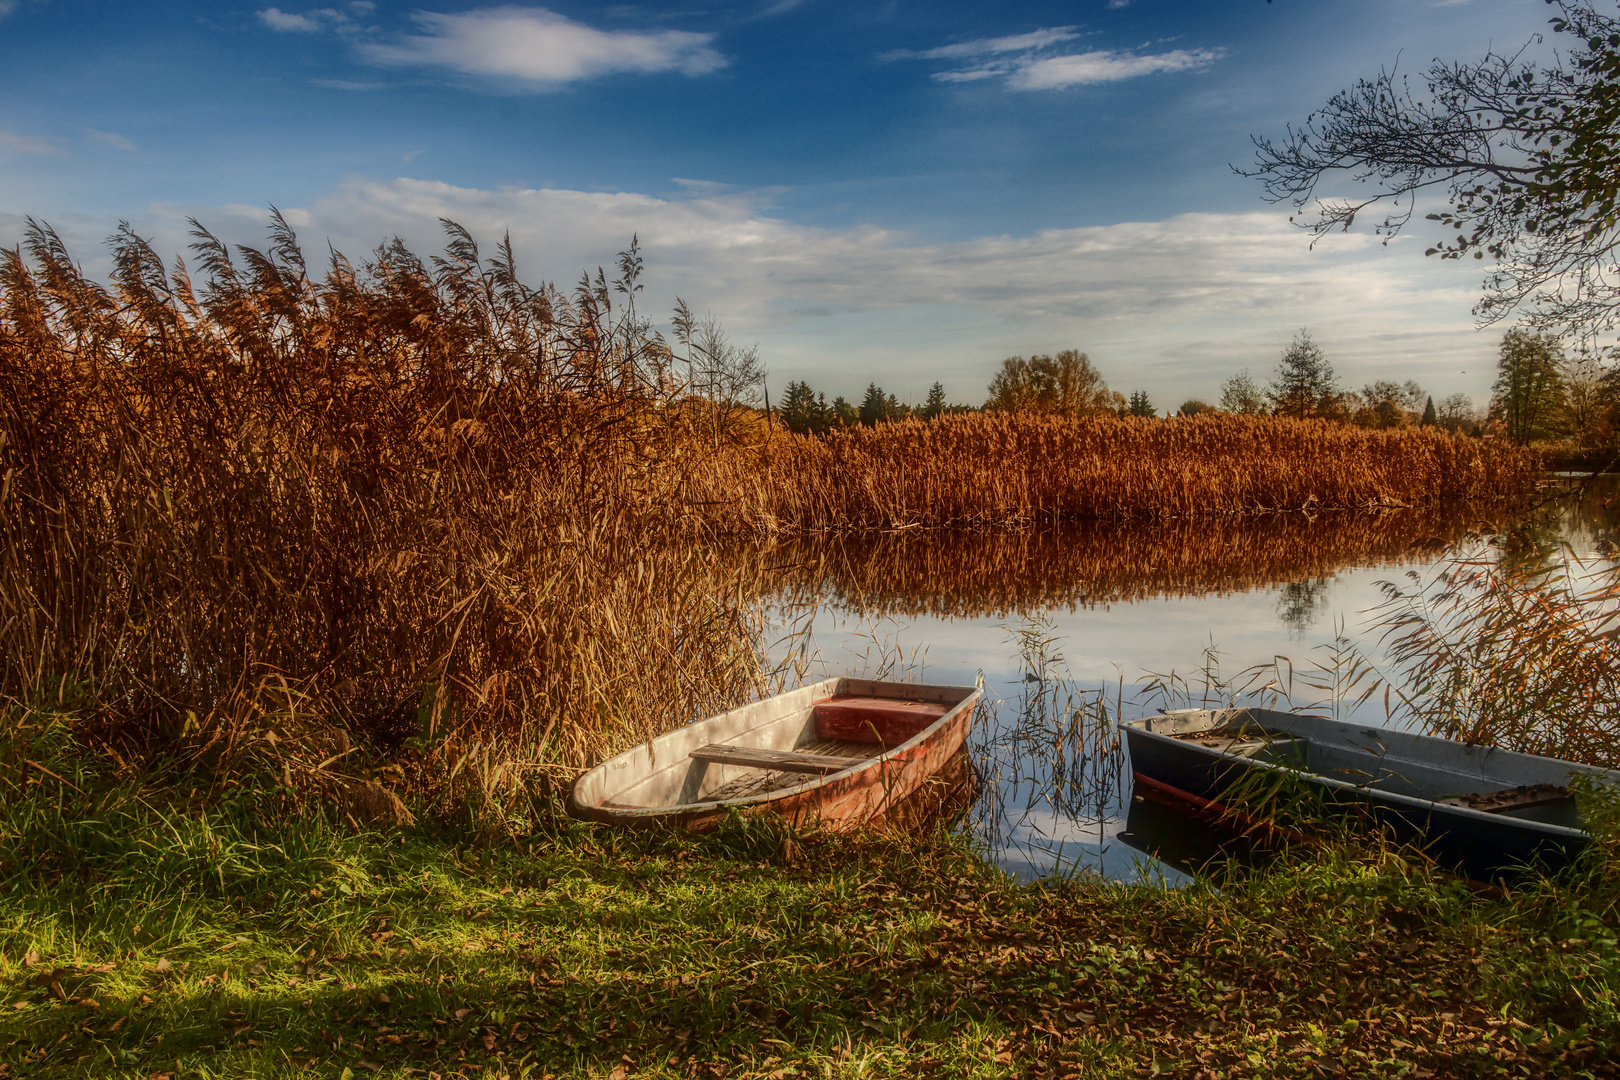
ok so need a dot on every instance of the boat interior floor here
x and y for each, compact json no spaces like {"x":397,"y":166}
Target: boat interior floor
{"x":1538,"y":802}
{"x":1250,"y":742}
{"x":759,"y":781}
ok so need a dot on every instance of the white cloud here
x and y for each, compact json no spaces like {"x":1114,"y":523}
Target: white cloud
{"x":538,"y":46}
{"x":969,"y":74}
{"x":1028,"y":63}
{"x":1172,"y":307}
{"x":289,"y":22}
{"x":348,"y":84}
{"x":24,"y":144}
{"x":1051,"y":72}
{"x":1036,"y":39}
{"x":308,"y":22}
{"x":108,"y":138}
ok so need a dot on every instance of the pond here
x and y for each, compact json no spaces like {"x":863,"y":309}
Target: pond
{"x":1074,"y":629}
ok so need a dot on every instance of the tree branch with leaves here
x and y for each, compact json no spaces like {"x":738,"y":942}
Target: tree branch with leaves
{"x":1522,"y":150}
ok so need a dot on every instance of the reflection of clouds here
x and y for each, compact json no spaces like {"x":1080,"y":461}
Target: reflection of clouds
{"x":1044,"y":826}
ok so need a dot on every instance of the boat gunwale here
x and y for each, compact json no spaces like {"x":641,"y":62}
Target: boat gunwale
{"x":1135,"y":728}
{"x":604,"y":814}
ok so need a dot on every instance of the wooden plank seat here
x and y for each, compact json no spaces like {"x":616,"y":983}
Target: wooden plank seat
{"x":778,"y":760}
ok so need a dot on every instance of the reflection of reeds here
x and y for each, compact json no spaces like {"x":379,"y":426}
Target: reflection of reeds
{"x":1060,"y":752}
{"x":953,"y":573}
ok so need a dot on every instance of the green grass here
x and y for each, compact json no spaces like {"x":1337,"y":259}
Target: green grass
{"x":145,"y":932}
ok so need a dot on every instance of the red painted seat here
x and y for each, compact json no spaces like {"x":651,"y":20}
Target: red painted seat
{"x":889,"y":721}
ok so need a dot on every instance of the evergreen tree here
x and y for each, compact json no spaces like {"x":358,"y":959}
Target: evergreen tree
{"x":843,"y":413}
{"x":1304,"y":385}
{"x":874,"y":406}
{"x":800,"y":411}
{"x":934,"y":407}
{"x":1529,"y":390}
{"x":1428,"y":413}
{"x":1141,"y":404}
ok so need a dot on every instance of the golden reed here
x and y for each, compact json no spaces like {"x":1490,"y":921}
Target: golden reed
{"x":1008,"y":470}
{"x":420,"y":521}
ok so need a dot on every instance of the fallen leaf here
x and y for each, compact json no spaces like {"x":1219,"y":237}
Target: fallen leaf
{"x":30,"y":958}
{"x":162,"y":966}
{"x":461,"y":1014}
{"x":20,"y":1005}
{"x":619,"y":1073}
{"x":372,"y":1065}
{"x":382,"y":999}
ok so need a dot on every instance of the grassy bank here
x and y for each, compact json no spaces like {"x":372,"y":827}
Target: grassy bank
{"x":144,"y":936}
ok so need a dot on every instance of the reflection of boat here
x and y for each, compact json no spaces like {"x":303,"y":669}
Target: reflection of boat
{"x":1476,"y":808}
{"x":1184,"y":842}
{"x":840,"y":752}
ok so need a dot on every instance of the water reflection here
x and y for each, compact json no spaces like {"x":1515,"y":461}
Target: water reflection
{"x":1300,"y":603}
{"x":1071,"y":630}
{"x":1000,"y":574}
{"x":1182,"y":844}
{"x":1051,"y":768}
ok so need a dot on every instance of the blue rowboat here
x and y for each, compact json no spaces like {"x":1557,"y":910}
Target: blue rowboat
{"x":1480,"y":810}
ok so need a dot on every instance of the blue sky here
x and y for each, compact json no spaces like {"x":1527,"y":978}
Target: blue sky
{"x":902,"y":191}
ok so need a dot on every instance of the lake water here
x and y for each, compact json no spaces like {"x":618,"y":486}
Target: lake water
{"x":1072,"y":629}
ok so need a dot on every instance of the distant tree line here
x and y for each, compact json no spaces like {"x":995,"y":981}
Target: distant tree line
{"x":1305,"y":386}
{"x":1540,"y":393}
{"x":806,"y":412}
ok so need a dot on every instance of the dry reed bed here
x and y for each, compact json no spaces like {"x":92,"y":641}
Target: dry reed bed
{"x":422,"y":522}
{"x":410,"y":511}
{"x":955,"y":574}
{"x":998,"y":470}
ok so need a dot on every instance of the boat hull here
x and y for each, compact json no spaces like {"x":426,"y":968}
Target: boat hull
{"x":1397,"y":778}
{"x":890,"y":783}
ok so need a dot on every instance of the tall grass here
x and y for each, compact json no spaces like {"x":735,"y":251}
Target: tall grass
{"x":409,"y":510}
{"x":1517,"y":652}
